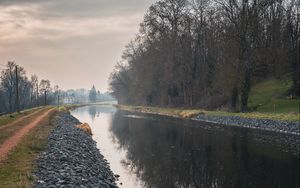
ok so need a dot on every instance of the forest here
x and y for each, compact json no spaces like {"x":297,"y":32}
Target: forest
{"x":209,"y":53}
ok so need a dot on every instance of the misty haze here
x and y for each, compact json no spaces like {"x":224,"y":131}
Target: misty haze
{"x":150,"y":93}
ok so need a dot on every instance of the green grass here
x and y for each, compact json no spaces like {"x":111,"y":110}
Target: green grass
{"x":68,"y":107}
{"x":188,"y":113}
{"x":5,"y":119}
{"x":17,"y":170}
{"x":270,"y":96}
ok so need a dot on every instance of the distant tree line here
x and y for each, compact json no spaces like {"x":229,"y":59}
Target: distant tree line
{"x":208,"y":53}
{"x":97,"y":96}
{"x":82,"y":96}
{"x":18,"y":92}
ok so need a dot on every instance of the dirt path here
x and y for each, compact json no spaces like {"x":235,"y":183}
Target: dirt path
{"x":14,"y":140}
{"x":19,"y":119}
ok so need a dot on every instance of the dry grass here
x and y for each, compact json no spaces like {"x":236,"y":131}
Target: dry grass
{"x":177,"y":112}
{"x":189,"y":113}
{"x":86,"y":128}
{"x":17,"y":169}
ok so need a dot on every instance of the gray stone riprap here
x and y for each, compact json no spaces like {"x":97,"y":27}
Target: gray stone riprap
{"x":72,"y":159}
{"x":264,"y":124}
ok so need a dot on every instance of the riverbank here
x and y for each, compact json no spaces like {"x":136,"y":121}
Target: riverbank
{"x":286,"y":123}
{"x":72,"y":158}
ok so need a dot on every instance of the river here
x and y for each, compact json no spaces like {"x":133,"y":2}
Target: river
{"x":157,"y":151}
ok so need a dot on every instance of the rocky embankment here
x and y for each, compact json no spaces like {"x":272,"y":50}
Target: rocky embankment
{"x":72,"y":159}
{"x":264,"y":124}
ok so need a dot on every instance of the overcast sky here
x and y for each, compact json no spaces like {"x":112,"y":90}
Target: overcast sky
{"x":73,"y":43}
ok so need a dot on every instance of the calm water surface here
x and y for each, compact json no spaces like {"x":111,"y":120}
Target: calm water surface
{"x":155,"y":151}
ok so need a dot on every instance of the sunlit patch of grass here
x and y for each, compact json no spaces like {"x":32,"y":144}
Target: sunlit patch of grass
{"x":16,"y":171}
{"x":190,"y":113}
{"x":62,"y":109}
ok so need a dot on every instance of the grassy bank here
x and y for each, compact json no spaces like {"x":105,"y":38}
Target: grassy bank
{"x":271,"y":96}
{"x":17,"y":169}
{"x":189,"y":113}
{"x":68,"y":107}
{"x":5,"y":119}
{"x":268,"y":99}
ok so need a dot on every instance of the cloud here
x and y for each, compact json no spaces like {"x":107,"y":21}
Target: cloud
{"x":85,"y":37}
{"x":23,"y":22}
{"x":83,"y":8}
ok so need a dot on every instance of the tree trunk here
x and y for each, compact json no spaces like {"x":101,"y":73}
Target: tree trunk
{"x":245,"y":90}
{"x":191,"y":101}
{"x":37,"y":95}
{"x":295,"y":58}
{"x":10,"y":102}
{"x":45,"y":98}
{"x":234,"y":98}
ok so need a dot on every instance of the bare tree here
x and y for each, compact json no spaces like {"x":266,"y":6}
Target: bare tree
{"x":34,"y":89}
{"x":45,"y":88}
{"x":208,"y":53}
{"x":8,"y":81}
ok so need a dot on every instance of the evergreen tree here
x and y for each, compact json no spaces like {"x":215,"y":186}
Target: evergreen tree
{"x":93,"y":94}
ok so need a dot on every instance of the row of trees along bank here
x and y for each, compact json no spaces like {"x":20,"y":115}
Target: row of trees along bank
{"x":208,"y":53}
{"x":18,"y":92}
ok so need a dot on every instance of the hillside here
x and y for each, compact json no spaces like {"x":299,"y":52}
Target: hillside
{"x":270,"y":96}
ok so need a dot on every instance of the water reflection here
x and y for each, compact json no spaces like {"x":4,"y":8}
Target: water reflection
{"x":175,"y":153}
{"x":154,"y":151}
{"x":99,"y":118}
{"x":94,"y":111}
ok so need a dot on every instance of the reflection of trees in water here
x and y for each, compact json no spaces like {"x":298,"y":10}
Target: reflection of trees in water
{"x":95,"y":110}
{"x":182,"y":156}
{"x":92,"y":112}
